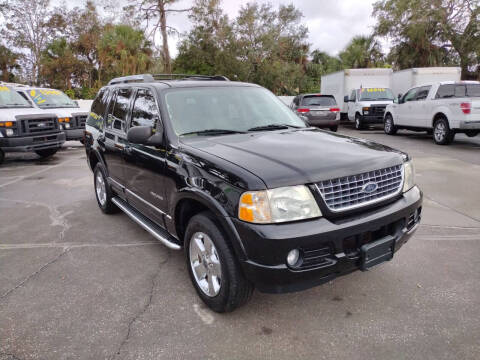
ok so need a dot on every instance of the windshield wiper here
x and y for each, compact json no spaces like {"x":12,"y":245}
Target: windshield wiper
{"x":17,"y":104}
{"x":273,"y":127}
{"x":213,"y":132}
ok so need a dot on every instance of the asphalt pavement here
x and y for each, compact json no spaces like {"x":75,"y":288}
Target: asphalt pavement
{"x":78,"y":284}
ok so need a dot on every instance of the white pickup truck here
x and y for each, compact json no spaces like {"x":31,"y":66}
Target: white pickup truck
{"x":442,"y":109}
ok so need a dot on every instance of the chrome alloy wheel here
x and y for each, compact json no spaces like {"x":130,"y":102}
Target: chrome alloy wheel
{"x":100,"y":188}
{"x":205,"y":264}
{"x":440,"y":132}
{"x":388,"y":124}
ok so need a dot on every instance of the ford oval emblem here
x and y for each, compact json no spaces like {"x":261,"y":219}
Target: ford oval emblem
{"x":369,"y":188}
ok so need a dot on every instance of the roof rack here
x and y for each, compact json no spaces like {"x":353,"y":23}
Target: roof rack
{"x":3,"y":83}
{"x":159,"y":77}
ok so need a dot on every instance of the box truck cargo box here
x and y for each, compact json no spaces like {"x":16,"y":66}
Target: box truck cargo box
{"x":405,"y":79}
{"x":341,"y":83}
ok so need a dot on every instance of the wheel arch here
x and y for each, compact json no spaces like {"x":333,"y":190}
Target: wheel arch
{"x":439,"y":115}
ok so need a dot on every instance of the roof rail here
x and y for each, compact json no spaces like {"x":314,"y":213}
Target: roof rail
{"x":12,"y":84}
{"x":132,"y":78}
{"x":189,"y":77}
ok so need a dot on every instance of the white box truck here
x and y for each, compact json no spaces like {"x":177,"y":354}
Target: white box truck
{"x":405,"y":79}
{"x":362,"y":94}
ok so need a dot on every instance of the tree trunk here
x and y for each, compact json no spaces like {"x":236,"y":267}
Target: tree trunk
{"x":163,"y":28}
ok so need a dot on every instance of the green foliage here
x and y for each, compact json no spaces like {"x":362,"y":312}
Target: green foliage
{"x":362,"y":52}
{"x":8,"y":63}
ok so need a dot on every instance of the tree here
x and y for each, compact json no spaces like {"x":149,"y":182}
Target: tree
{"x":156,"y":11}
{"x":26,"y":29}
{"x":362,"y":52}
{"x":431,"y":32}
{"x":327,"y":64}
{"x":123,"y":50}
{"x":8,"y":63}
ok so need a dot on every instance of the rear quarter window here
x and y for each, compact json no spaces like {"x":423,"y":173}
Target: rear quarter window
{"x":318,"y":101}
{"x":97,"y":112}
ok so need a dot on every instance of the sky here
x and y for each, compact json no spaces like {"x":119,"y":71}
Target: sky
{"x":331,"y":23}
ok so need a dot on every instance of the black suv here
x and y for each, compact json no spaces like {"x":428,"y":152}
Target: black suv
{"x":256,"y":198}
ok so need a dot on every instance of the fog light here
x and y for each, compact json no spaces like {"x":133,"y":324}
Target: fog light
{"x":67,"y":126}
{"x":292,"y":257}
{"x":9,"y":132}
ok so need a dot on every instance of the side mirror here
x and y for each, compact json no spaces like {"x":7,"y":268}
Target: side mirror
{"x":76,"y":103}
{"x":345,"y":98}
{"x":144,"y":135}
{"x":399,"y":99}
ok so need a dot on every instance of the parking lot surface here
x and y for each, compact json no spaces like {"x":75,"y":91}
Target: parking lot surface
{"x":78,"y":284}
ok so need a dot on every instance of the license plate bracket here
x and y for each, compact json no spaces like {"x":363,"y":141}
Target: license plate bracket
{"x":377,"y":252}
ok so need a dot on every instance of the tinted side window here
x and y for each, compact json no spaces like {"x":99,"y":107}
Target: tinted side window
{"x":445,"y":91}
{"x":353,"y":97}
{"x":95,"y":118}
{"x":422,"y":92}
{"x":410,"y":95}
{"x":120,"y":109}
{"x":460,"y":91}
{"x":145,"y":112}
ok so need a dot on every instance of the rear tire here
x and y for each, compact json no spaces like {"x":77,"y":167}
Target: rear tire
{"x":103,"y":192}
{"x":218,"y":278}
{"x":334,"y":128}
{"x":358,"y":122}
{"x":2,"y":156}
{"x":46,"y":153}
{"x":442,"y":135}
{"x":389,"y":126}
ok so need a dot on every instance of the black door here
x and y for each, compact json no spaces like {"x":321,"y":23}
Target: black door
{"x":145,"y":165}
{"x":116,"y":138}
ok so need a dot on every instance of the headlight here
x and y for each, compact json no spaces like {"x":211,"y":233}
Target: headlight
{"x":408,"y":175}
{"x":365,"y":110}
{"x":278,"y":205}
{"x":67,"y":126}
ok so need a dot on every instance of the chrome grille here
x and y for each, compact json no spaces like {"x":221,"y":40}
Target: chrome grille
{"x":80,"y":121}
{"x":350,"y":192}
{"x":39,"y":126}
{"x":378,"y":110}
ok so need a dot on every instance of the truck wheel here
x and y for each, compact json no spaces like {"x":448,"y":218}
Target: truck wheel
{"x":472,"y":133}
{"x":442,"y":135}
{"x":2,"y":156}
{"x":334,"y":128}
{"x":45,"y":153}
{"x":213,"y":267}
{"x":103,"y":192}
{"x":388,"y":126}
{"x":358,"y":122}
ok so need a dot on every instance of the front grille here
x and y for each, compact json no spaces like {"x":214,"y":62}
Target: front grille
{"x":378,"y":110}
{"x":80,"y":121}
{"x":354,"y":191}
{"x":39,"y":126}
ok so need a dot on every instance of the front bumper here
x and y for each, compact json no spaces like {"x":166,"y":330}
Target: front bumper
{"x":267,"y":246}
{"x":74,"y":134}
{"x":32,"y":143}
{"x":372,"y":119}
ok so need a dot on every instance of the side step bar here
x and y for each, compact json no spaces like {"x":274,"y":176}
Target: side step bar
{"x":157,"y":232}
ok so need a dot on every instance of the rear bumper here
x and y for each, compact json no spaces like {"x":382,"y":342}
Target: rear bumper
{"x":74,"y":134}
{"x":469,"y":125}
{"x":268,"y":245}
{"x":323,"y":122}
{"x":32,"y":143}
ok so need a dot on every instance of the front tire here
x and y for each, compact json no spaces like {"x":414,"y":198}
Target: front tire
{"x":103,"y":192}
{"x":442,"y":135}
{"x":46,"y":153}
{"x":472,"y":133}
{"x":358,"y":122}
{"x":213,"y":267}
{"x":388,"y":125}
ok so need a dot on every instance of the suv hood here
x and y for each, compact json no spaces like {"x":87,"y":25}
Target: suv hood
{"x":293,"y":157}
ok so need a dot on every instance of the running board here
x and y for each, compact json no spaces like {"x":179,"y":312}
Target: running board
{"x":157,"y":232}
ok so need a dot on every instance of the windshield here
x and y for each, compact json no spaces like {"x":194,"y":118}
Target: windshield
{"x":11,"y":99}
{"x":49,"y":98}
{"x":376,"y":94}
{"x":230,"y":109}
{"x":318,"y":100}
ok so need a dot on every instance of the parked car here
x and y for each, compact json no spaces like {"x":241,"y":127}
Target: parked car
{"x":24,"y":128}
{"x":443,"y":109}
{"x":255,"y":197}
{"x":319,"y":110}
{"x":69,"y":114}
{"x":367,"y":105}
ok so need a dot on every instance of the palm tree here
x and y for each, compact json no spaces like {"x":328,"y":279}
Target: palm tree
{"x":362,"y":52}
